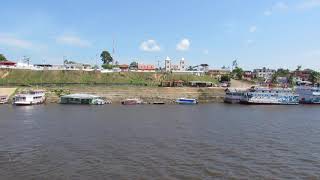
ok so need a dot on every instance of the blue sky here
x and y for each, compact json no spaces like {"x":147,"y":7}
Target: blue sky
{"x":258,"y":33}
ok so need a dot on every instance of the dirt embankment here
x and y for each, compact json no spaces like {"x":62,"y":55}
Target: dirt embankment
{"x":148,"y":94}
{"x":7,"y":91}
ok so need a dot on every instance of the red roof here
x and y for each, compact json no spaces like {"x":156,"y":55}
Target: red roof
{"x":7,"y":63}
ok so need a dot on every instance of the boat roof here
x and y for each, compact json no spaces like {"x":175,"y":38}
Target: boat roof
{"x":81,"y":96}
{"x":234,"y":90}
{"x":271,"y":89}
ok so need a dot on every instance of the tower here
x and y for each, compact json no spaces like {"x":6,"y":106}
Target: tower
{"x":182,"y":65}
{"x":168,"y":64}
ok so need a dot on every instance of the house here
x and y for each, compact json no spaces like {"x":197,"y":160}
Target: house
{"x":173,"y":83}
{"x":146,"y":67}
{"x":200,"y":84}
{"x":7,"y":64}
{"x":248,"y":75}
{"x":302,"y":75}
{"x":218,"y":72}
{"x":264,"y":73}
{"x":124,"y":67}
{"x":77,"y":66}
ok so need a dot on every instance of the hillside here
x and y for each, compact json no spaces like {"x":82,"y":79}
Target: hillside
{"x":28,"y":77}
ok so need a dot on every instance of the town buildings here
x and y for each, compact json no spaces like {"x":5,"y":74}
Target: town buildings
{"x":264,"y":73}
{"x":169,"y":66}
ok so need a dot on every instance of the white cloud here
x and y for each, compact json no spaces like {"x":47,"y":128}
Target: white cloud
{"x":278,"y":6}
{"x":12,"y":41}
{"x":183,"y":45}
{"x":150,"y":46}
{"x":73,"y":41}
{"x":309,"y":4}
{"x":253,"y":29}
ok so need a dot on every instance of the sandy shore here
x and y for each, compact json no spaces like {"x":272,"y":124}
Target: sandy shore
{"x":7,"y":91}
{"x":147,"y":94}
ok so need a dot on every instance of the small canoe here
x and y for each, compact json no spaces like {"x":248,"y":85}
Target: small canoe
{"x":186,"y":101}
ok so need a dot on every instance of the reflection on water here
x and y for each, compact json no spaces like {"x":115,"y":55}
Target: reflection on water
{"x":159,"y":142}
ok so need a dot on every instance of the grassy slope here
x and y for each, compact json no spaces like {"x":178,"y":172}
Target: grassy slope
{"x":29,"y":77}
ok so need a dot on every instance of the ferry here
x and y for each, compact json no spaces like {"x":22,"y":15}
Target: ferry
{"x":186,"y":101}
{"x":308,"y":94}
{"x":3,"y":99}
{"x":131,"y":102}
{"x":233,"y":96}
{"x":85,"y":99}
{"x":261,"y":95}
{"x":29,"y":98}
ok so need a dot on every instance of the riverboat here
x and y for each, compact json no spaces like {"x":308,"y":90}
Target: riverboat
{"x":3,"y":99}
{"x":308,"y":94}
{"x":131,"y":102}
{"x":234,"y":96}
{"x":278,"y":96}
{"x":29,"y":98}
{"x":186,"y":101}
{"x":84,"y":99}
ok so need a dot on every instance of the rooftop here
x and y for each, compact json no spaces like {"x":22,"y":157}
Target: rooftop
{"x":80,"y":96}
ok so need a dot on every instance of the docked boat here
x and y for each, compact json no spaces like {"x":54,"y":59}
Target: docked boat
{"x":234,"y":96}
{"x":308,"y":94}
{"x":261,"y":95}
{"x":186,"y":101}
{"x":30,"y":98}
{"x":85,"y":99}
{"x":3,"y":99}
{"x":131,"y":101}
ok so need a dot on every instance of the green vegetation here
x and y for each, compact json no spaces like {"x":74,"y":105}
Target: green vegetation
{"x":238,"y":73}
{"x":2,"y":58}
{"x":225,"y":78}
{"x":28,"y":77}
{"x":315,"y":77}
{"x":106,"y":57}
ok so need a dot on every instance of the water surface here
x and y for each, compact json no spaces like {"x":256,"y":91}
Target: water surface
{"x":160,"y":142}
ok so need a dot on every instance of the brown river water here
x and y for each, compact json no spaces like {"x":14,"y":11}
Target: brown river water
{"x":211,"y":141}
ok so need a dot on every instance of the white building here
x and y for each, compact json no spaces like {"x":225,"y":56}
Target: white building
{"x":264,"y":73}
{"x":169,"y":66}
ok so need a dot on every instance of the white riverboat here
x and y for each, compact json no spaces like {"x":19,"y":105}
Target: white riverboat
{"x":233,"y":95}
{"x":29,"y":98}
{"x":308,"y":94}
{"x":84,"y":99}
{"x":262,"y":95}
{"x":3,"y":99}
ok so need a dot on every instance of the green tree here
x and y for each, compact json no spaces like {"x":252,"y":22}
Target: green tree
{"x":238,"y":73}
{"x":314,"y":77}
{"x":106,"y":57}
{"x":299,"y":68}
{"x":107,"y":66}
{"x":133,"y":65}
{"x":2,"y":58}
{"x":225,"y":78}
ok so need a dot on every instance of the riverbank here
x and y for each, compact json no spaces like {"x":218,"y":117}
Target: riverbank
{"x":147,"y":94}
{"x":16,"y":77}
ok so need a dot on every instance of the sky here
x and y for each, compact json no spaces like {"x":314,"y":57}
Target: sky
{"x":268,"y":33}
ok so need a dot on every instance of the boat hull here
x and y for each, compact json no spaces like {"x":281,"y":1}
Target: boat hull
{"x":187,"y":101}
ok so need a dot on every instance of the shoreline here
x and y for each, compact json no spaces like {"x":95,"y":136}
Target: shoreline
{"x":148,"y":94}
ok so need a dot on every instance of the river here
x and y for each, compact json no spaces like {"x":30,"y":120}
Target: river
{"x":211,"y":141}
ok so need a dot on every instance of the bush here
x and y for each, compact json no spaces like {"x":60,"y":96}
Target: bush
{"x":107,"y":66}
